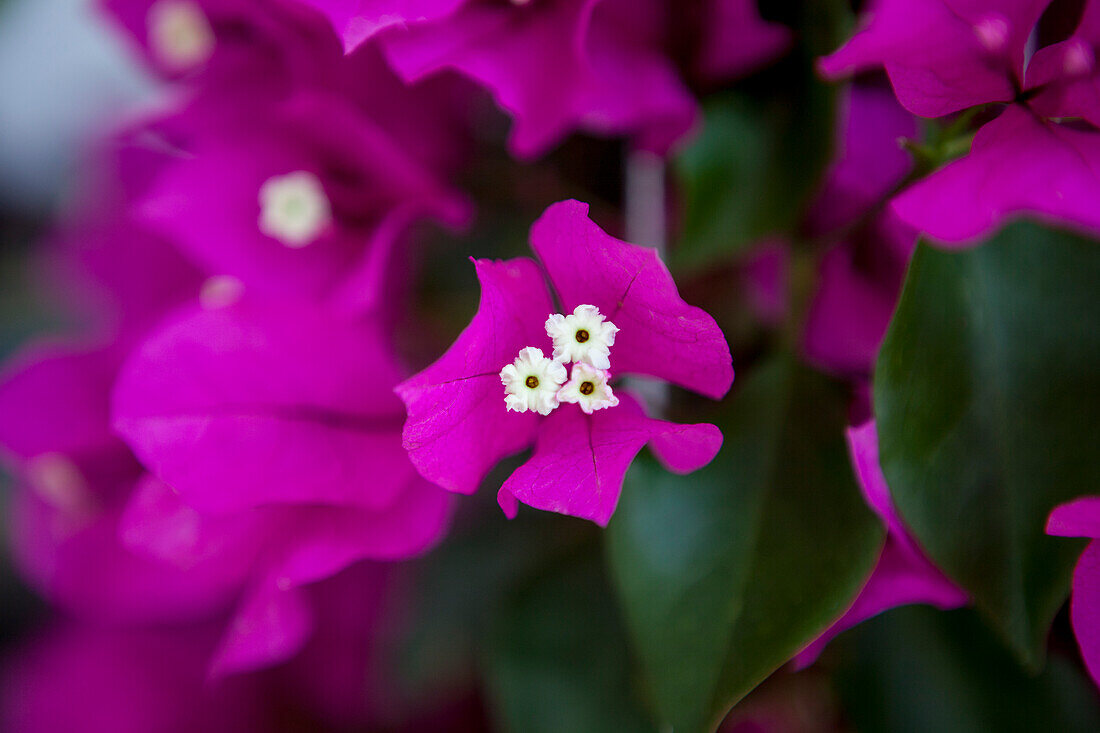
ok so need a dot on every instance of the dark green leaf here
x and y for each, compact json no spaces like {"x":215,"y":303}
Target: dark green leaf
{"x":462,"y":583}
{"x":761,"y":152}
{"x":558,"y":658}
{"x":916,"y":670}
{"x":986,"y":393}
{"x":725,"y":574}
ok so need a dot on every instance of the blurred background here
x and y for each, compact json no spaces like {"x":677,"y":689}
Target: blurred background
{"x":490,"y":614}
{"x":64,"y":76}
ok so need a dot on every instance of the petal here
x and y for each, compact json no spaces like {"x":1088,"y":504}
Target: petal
{"x":131,"y":274}
{"x":903,"y":574}
{"x":458,"y":426}
{"x":1061,"y":94}
{"x":260,"y":403}
{"x":580,"y":460}
{"x":271,"y":626}
{"x":765,"y":274}
{"x":558,"y":66}
{"x":530,"y":60}
{"x":869,"y":162}
{"x":932,"y":52}
{"x":852,"y":306}
{"x":55,"y":398}
{"x":124,"y":680}
{"x":633,"y":88}
{"x":1063,"y":90}
{"x":358,"y":20}
{"x":1017,"y":164}
{"x":1084,"y":608}
{"x":897,"y":580}
{"x":659,"y":334}
{"x":157,"y":523}
{"x":339,"y":673}
{"x":736,"y":40}
{"x":1078,"y":518}
{"x":79,"y":563}
{"x":321,"y":541}
{"x":863,"y":448}
{"x":255,"y":44}
{"x":370,"y":182}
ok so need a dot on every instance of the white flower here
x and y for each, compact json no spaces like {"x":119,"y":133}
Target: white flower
{"x":179,"y":34}
{"x":582,"y":337}
{"x":220,"y":291}
{"x":294,"y":208}
{"x":588,"y":388}
{"x":532,"y":381}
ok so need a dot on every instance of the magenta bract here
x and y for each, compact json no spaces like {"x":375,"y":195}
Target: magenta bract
{"x":903,"y":573}
{"x":458,"y":426}
{"x":1081,"y":518}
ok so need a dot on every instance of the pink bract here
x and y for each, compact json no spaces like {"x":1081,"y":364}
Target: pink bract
{"x":903,"y":574}
{"x":458,"y":427}
{"x":942,"y":55}
{"x":266,"y":44}
{"x":1081,"y":518}
{"x":375,"y":190}
{"x":736,"y":40}
{"x":861,"y":276}
{"x":359,"y":20}
{"x":1018,"y":164}
{"x":593,"y":65}
{"x":580,"y":460}
{"x":73,"y":480}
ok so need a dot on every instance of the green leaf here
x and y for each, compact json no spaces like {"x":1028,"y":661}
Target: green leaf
{"x":752,"y":170}
{"x":463,"y":582}
{"x":747,"y":176}
{"x":557,"y":658}
{"x":986,"y":392}
{"x":916,"y":669}
{"x":727,"y":573}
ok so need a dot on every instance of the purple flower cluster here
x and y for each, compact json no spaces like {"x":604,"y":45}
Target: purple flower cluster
{"x":223,"y":468}
{"x":460,"y":424}
{"x":1038,"y":151}
{"x":221,"y":445}
{"x":1035,"y":152}
{"x":1081,"y":518}
{"x":202,"y":470}
{"x":902,"y":574}
{"x":560,"y":65}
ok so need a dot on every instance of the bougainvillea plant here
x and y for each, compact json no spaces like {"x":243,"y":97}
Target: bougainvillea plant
{"x":300,"y":300}
{"x":624,"y":317}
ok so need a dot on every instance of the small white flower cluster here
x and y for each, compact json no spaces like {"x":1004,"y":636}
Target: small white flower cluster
{"x":180,"y":36}
{"x":294,"y":208}
{"x":535,"y":382}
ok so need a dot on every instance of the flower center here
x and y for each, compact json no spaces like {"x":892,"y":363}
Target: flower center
{"x":588,"y":387}
{"x":532,"y":382}
{"x":179,"y":34}
{"x":294,"y":208}
{"x":582,"y":336}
